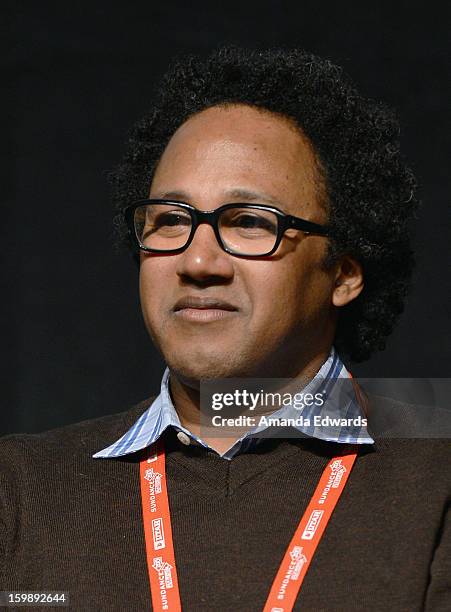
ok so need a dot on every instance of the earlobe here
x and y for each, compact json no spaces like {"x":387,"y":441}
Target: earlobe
{"x":348,"y":282}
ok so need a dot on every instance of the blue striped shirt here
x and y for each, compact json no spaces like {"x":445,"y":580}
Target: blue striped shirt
{"x":161,"y":414}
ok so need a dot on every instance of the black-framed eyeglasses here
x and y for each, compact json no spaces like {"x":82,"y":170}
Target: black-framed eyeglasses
{"x":247,"y":230}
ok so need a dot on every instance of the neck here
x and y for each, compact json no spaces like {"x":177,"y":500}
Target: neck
{"x":186,"y":399}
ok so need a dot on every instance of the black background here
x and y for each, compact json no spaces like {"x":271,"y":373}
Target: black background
{"x":76,"y":75}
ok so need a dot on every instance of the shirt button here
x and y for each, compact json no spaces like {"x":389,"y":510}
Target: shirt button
{"x":184,"y":439}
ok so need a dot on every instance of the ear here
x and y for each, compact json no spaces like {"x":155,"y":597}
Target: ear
{"x":348,"y":281}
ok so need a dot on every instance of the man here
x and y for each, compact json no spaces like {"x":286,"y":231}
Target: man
{"x":268,"y":205}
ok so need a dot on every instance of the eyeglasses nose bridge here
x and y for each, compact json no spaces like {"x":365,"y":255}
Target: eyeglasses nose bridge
{"x":208,"y":217}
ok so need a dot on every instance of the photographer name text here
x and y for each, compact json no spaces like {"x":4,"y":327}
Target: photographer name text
{"x":300,"y":421}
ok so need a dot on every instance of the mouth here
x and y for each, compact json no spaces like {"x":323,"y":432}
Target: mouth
{"x":203,"y":310}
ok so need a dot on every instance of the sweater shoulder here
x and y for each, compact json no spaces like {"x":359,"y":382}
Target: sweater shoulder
{"x":84,"y":437}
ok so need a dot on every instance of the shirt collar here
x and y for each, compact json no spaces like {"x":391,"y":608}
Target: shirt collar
{"x":161,"y":414}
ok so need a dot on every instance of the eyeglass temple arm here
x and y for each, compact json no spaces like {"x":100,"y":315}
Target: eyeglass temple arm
{"x":307,"y":226}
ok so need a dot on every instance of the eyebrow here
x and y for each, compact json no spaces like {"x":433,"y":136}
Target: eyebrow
{"x":238,"y":193}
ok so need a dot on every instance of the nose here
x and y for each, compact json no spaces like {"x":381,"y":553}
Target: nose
{"x":204,"y":260}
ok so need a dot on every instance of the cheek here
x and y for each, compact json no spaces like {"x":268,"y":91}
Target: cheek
{"x":153,"y":284}
{"x":272,"y":294}
{"x":289,"y":293}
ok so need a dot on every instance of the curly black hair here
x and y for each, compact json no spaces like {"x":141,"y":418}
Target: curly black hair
{"x":370,"y":191}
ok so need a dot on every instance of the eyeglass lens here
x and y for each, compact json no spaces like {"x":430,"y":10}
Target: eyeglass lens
{"x":166,"y":227}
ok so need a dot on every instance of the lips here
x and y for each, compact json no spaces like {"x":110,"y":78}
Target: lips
{"x":195,"y":310}
{"x":203,"y":303}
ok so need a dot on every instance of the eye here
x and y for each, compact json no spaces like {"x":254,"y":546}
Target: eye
{"x":171,"y":219}
{"x":169,"y":222}
{"x":253,"y":222}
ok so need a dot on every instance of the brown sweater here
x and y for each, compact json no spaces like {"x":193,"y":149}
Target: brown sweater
{"x":73,"y":523}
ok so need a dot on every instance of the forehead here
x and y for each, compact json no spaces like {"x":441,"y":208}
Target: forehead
{"x":239,"y":147}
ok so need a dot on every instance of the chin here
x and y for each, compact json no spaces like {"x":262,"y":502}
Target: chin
{"x":194,"y":372}
{"x":198,"y":365}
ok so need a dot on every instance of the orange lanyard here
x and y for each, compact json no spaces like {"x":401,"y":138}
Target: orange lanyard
{"x":295,"y":563}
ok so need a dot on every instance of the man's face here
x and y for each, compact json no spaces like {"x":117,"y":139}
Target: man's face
{"x":282,"y":310}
